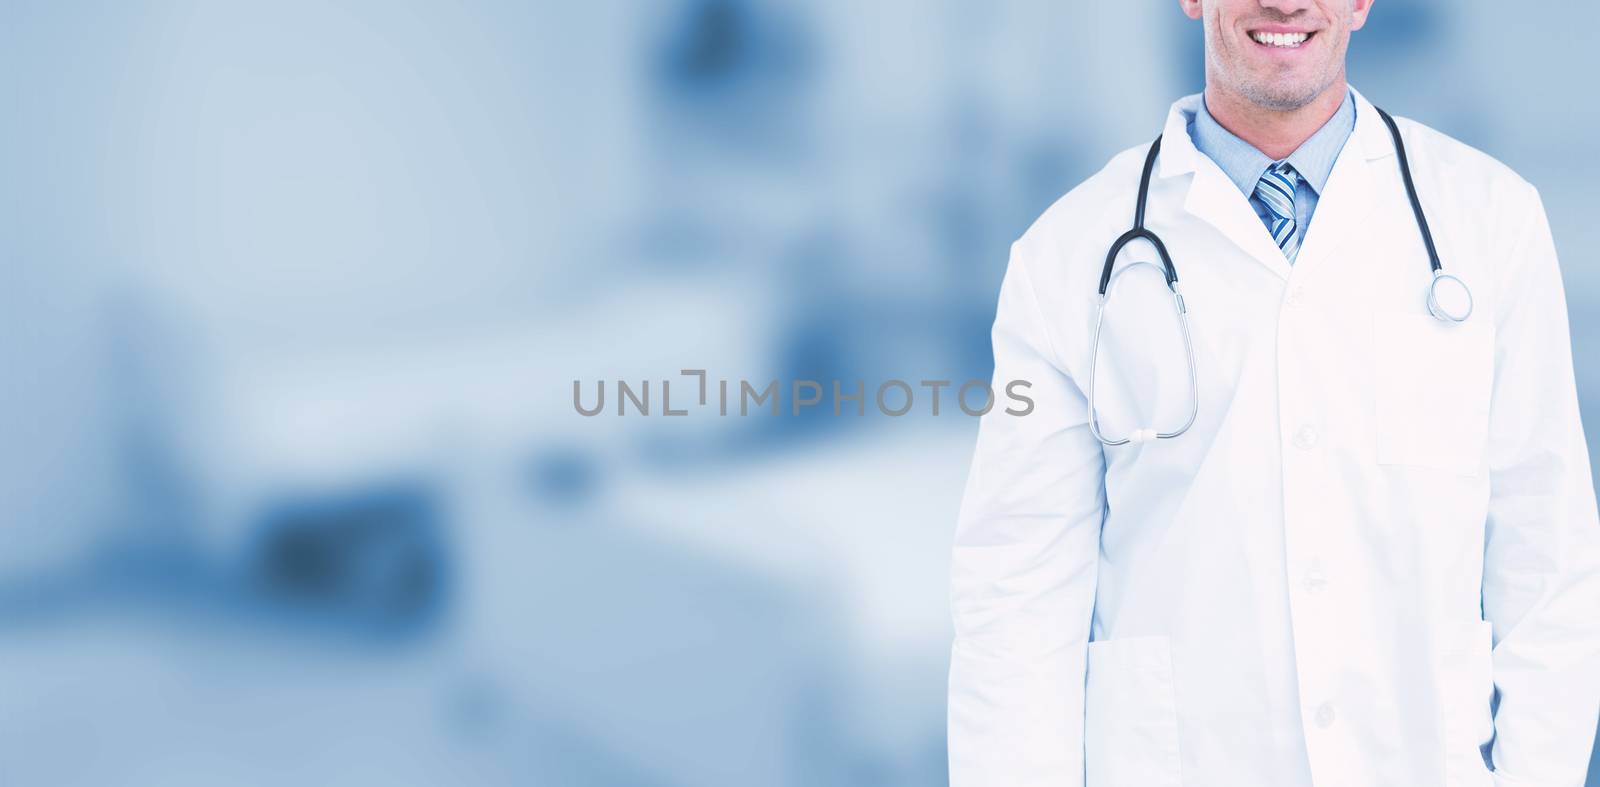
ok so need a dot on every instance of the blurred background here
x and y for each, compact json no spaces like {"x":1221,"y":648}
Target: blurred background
{"x":292,"y":489}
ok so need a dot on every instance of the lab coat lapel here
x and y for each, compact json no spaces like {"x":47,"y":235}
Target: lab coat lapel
{"x":1212,"y":197}
{"x":1344,"y":208}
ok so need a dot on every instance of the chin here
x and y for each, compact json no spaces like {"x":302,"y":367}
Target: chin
{"x":1282,"y":96}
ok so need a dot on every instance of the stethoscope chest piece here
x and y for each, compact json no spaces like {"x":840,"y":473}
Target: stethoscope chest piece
{"x":1449,"y":300}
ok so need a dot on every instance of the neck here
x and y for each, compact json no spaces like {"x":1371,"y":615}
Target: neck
{"x":1273,"y":132}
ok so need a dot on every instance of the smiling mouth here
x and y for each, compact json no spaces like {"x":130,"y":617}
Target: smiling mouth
{"x":1281,"y":40}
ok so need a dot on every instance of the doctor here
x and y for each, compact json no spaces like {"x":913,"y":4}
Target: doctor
{"x":1373,"y":558}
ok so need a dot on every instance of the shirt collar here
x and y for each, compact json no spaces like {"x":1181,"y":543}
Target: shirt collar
{"x":1244,"y":165}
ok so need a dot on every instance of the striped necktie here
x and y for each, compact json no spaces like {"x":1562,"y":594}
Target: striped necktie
{"x":1276,"y":192}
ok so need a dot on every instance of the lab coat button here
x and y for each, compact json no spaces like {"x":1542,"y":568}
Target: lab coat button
{"x":1325,"y":715}
{"x":1315,"y":581}
{"x":1306,"y":437}
{"x":1294,"y":298}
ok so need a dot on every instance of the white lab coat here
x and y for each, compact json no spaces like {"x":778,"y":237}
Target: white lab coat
{"x":1377,"y":523}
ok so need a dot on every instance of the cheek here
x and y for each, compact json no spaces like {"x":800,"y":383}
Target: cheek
{"x":1225,"y":42}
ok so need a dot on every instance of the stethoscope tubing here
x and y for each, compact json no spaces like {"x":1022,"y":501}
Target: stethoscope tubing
{"x":1170,"y":272}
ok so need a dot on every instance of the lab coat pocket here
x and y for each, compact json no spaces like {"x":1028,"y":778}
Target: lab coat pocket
{"x":1130,"y":715}
{"x":1433,"y":382}
{"x":1466,"y":688}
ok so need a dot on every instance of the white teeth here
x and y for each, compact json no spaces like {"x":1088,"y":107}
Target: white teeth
{"x":1288,"y":40}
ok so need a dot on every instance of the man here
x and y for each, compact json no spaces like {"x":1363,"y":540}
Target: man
{"x":1374,"y":558}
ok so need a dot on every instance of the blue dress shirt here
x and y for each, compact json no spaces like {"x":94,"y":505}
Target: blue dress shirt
{"x":1244,"y":165}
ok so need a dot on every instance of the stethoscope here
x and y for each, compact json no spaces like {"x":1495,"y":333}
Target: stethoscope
{"x":1451,"y":304}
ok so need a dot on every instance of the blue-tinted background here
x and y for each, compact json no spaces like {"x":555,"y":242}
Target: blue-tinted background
{"x":292,"y":489}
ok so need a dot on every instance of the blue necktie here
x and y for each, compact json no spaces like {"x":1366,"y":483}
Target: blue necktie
{"x":1276,"y":192}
